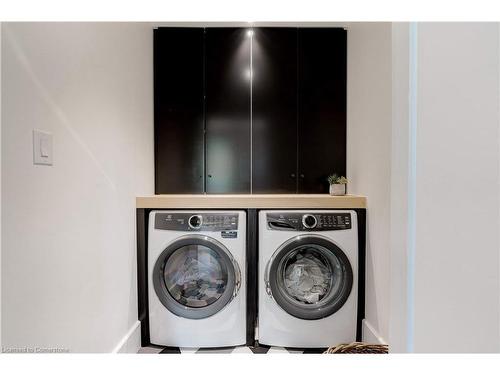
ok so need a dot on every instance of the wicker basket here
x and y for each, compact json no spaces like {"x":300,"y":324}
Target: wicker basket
{"x":358,"y":348}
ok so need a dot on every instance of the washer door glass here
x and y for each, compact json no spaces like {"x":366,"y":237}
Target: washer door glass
{"x":310,"y":277}
{"x":195,"y":277}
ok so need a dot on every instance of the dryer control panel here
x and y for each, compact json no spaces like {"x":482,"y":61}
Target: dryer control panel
{"x":298,"y":221}
{"x":197,"y":222}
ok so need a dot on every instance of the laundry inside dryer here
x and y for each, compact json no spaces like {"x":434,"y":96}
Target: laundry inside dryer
{"x":308,"y":276}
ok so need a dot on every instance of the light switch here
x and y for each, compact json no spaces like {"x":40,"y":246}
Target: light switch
{"x":42,"y":147}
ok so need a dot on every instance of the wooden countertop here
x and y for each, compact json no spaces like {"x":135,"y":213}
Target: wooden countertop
{"x":242,"y":201}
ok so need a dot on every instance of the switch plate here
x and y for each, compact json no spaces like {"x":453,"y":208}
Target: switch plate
{"x":42,"y":148}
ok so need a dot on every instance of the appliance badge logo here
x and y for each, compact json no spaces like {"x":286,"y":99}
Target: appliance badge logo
{"x":229,"y":234}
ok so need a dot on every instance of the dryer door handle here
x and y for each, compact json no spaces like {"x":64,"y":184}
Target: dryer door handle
{"x":237,"y":285}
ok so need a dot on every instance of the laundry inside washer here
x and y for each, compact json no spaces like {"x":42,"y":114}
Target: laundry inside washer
{"x":195,"y":277}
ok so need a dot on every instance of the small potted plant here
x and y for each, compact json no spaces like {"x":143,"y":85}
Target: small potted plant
{"x":337,"y":184}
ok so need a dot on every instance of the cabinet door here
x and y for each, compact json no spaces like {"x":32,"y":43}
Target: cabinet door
{"x":274,"y":110}
{"x":322,"y":68}
{"x":178,"y":110}
{"x":227,"y":66}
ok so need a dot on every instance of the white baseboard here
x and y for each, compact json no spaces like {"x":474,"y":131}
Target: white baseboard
{"x":370,"y":334}
{"x":131,"y":342}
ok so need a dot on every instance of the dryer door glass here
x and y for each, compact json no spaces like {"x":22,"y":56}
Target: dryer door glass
{"x":310,"y":277}
{"x":307,"y":276}
{"x":196,"y":277}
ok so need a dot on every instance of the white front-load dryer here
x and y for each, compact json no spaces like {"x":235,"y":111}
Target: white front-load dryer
{"x":197,"y":280}
{"x":308,"y":281}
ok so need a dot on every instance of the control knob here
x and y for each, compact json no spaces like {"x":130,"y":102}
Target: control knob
{"x":195,"y":221}
{"x":309,"y":221}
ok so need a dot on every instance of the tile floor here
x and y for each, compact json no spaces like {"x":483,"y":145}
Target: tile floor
{"x":230,"y":350}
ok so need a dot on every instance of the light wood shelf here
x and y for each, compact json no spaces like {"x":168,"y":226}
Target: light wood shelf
{"x":242,"y":201}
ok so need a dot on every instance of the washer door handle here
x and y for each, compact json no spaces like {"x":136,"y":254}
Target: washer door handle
{"x":268,"y":290}
{"x":237,"y":276}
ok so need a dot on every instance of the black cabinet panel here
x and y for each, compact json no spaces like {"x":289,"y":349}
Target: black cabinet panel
{"x":217,"y":129}
{"x":227,"y":110}
{"x":178,"y":110}
{"x":322,"y":106}
{"x":274,"y":110}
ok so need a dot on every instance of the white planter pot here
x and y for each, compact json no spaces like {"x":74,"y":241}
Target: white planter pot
{"x":337,"y":189}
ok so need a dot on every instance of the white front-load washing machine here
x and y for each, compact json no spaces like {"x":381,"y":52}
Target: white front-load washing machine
{"x":197,"y":281}
{"x":308,"y":281}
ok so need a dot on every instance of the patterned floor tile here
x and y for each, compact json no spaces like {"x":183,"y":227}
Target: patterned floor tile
{"x":149,"y":350}
{"x":260,"y":349}
{"x":242,"y":350}
{"x":215,"y":350}
{"x":188,"y":350}
{"x":170,"y":350}
{"x":294,"y":351}
{"x":277,"y":350}
{"x":314,"y":351}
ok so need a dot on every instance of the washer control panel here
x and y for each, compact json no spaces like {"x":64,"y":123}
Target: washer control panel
{"x":196,"y":221}
{"x":296,"y":221}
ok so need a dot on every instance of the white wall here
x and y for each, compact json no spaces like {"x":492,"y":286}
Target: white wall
{"x":451,"y":116}
{"x":369,"y":158}
{"x":398,"y":323}
{"x":68,"y":261}
{"x":454,"y":306}
{"x":0,"y":184}
{"x":456,"y":300}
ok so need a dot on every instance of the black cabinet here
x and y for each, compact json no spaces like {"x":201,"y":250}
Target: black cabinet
{"x":322,"y":69}
{"x":274,"y":110}
{"x":241,"y":113}
{"x":178,"y":110}
{"x":299,"y":108}
{"x":227,"y":112}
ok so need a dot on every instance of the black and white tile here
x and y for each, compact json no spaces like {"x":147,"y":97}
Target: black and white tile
{"x":230,"y":350}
